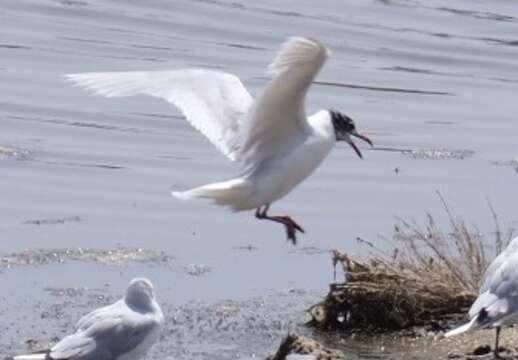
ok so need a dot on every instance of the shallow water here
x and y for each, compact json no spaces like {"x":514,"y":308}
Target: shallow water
{"x":415,"y":75}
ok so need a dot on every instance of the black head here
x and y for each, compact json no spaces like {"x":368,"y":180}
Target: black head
{"x":342,"y":123}
{"x":344,"y":128}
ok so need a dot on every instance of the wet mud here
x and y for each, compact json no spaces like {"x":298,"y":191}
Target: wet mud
{"x":7,"y":152}
{"x":121,"y":256}
{"x":229,"y":329}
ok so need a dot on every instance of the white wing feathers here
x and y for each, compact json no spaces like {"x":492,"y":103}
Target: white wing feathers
{"x":299,"y":52}
{"x":219,"y":106}
{"x":278,"y":115}
{"x":213,"y":102}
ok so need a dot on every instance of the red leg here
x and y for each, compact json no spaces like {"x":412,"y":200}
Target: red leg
{"x":291,"y":226}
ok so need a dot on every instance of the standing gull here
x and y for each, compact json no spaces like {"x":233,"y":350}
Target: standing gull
{"x":277,"y":145}
{"x":124,"y":330}
{"x":497,"y":302}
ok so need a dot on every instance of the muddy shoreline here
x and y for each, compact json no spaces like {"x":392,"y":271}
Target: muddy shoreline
{"x":230,"y":329}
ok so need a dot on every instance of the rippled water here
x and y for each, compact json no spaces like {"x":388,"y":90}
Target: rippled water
{"x":417,"y":76}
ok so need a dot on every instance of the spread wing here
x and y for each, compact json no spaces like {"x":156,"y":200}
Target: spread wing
{"x":278,"y":115}
{"x":213,"y":102}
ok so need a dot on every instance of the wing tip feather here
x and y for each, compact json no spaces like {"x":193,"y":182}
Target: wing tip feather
{"x":298,"y":49}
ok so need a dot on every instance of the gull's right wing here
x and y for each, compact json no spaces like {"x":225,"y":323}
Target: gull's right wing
{"x":213,"y":102}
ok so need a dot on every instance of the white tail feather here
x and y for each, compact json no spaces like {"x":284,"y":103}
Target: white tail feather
{"x":39,"y":356}
{"x":233,"y":193}
{"x":472,"y":325}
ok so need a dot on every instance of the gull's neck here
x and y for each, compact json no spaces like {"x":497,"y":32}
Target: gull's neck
{"x":321,"y":124}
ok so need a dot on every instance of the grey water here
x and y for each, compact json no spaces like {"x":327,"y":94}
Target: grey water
{"x":415,"y":75}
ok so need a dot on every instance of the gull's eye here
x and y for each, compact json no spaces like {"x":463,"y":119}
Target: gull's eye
{"x":349,"y":124}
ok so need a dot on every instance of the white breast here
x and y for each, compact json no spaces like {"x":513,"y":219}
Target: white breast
{"x":277,"y":176}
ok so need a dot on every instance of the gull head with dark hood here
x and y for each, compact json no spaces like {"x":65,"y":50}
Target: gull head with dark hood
{"x":345,"y":128}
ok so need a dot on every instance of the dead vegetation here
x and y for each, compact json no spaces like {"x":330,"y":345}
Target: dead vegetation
{"x":301,"y":345}
{"x":430,"y":278}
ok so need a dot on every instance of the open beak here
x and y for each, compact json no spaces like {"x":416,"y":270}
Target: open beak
{"x":362,"y":137}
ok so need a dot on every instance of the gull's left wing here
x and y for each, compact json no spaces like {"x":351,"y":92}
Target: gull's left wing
{"x":278,"y":115}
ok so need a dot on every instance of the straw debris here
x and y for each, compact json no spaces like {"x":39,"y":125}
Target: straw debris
{"x":429,"y":279}
{"x":374,"y":296}
{"x":301,"y":345}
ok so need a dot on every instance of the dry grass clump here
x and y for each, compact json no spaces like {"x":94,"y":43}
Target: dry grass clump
{"x":430,"y":278}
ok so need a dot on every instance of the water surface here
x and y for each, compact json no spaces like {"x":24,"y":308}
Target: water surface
{"x":413,"y":74}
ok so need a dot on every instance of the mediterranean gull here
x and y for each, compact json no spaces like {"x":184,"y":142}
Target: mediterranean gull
{"x":124,"y":330}
{"x":277,"y":145}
